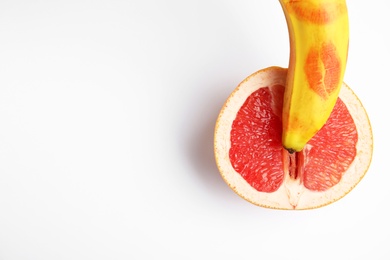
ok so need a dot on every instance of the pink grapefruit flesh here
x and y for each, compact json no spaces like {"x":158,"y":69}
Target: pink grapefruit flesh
{"x":252,"y":161}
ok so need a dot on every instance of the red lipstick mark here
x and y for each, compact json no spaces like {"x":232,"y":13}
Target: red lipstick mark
{"x":323,"y":69}
{"x":316,"y":13}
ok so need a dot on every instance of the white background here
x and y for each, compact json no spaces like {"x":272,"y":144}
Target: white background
{"x":107,"y":113}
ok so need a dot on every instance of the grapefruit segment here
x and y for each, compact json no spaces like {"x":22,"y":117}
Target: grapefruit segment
{"x":252,"y":161}
{"x":332,"y":151}
{"x":256,"y":132}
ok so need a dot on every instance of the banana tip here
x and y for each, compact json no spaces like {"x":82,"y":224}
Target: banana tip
{"x":290,"y":150}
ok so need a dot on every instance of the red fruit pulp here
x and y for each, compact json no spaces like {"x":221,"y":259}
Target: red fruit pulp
{"x":257,"y":154}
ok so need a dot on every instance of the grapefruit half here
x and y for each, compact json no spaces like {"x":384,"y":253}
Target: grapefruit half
{"x":250,"y":157}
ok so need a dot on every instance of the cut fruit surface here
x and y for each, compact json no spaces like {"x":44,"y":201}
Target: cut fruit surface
{"x":252,"y":161}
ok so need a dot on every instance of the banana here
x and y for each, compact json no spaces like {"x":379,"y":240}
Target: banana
{"x":319,"y":37}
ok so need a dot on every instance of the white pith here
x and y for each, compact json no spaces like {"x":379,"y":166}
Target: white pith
{"x":292,"y":194}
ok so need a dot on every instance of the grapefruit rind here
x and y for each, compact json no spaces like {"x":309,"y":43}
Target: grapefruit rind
{"x":285,"y":196}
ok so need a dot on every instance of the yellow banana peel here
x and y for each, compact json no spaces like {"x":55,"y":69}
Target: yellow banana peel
{"x":319,"y":37}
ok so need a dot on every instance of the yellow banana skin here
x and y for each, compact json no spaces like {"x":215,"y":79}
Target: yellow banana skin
{"x":319,"y":36}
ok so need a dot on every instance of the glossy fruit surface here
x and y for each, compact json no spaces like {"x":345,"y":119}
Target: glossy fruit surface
{"x":319,"y":40}
{"x":251,"y":158}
